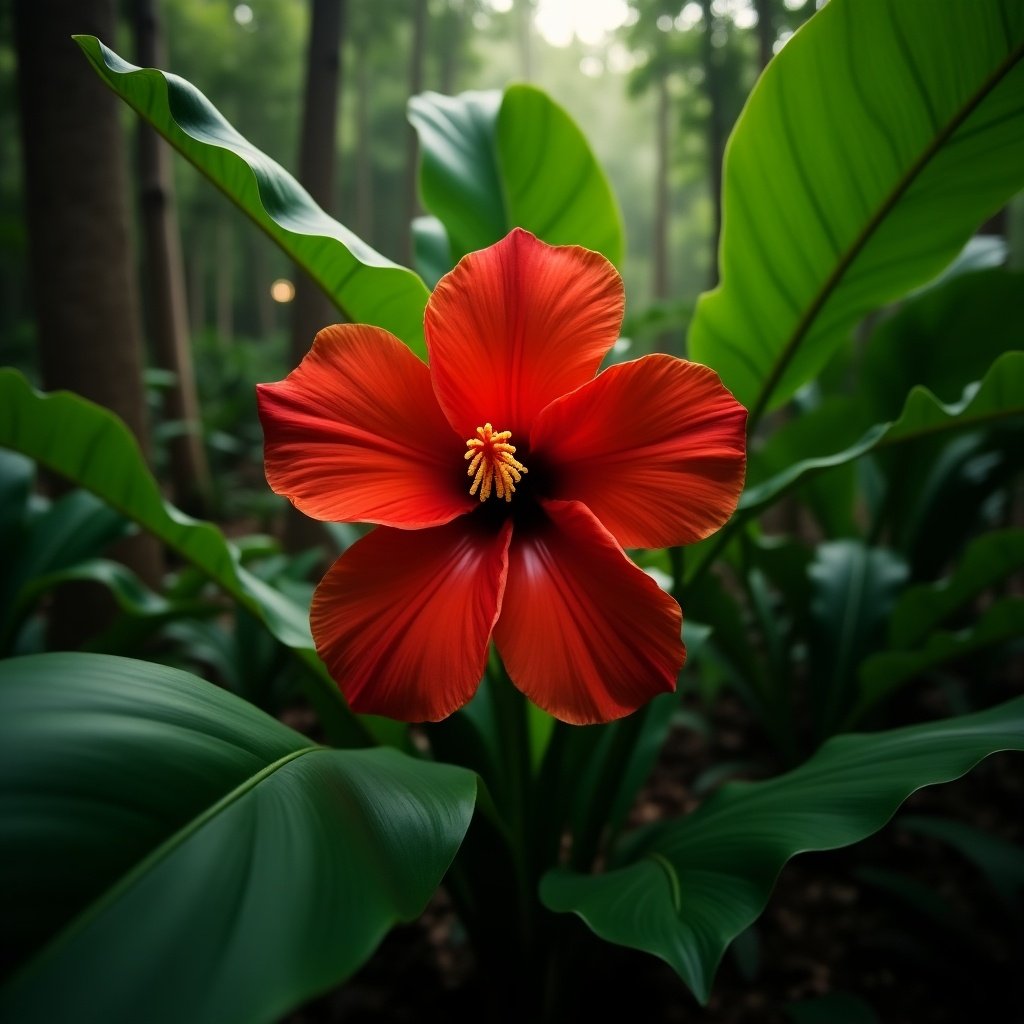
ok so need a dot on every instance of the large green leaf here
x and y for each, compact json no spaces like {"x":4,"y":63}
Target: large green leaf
{"x":838,"y":421}
{"x":687,"y":888}
{"x":999,"y":398}
{"x":367,"y":287}
{"x":869,"y":151}
{"x":853,"y":589}
{"x":942,"y":339}
{"x":459,"y":178}
{"x":883,"y":673}
{"x":91,"y":447}
{"x":988,"y":560}
{"x":188,"y":857}
{"x":492,"y":162}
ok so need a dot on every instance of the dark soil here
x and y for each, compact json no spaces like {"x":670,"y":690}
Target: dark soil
{"x":901,"y":925}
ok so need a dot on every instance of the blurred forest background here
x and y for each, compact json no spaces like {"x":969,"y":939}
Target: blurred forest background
{"x":655,"y":86}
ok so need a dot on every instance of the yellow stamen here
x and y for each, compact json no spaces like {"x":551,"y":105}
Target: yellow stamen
{"x":492,"y":463}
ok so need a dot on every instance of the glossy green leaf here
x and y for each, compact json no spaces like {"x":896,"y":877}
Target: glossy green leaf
{"x":492,"y":162}
{"x":853,"y":589}
{"x":130,"y":594}
{"x":91,"y":447}
{"x":943,"y":340}
{"x":459,"y":178}
{"x":987,"y":561}
{"x":367,"y":287}
{"x":432,"y":250}
{"x":869,"y":151}
{"x":999,"y":398}
{"x":683,"y":890}
{"x":75,"y":527}
{"x":188,"y":857}
{"x":883,"y":673}
{"x":16,"y":477}
{"x":837,"y":422}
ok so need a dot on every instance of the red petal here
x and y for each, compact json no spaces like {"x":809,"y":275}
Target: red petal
{"x":403,"y":619}
{"x":516,"y":325}
{"x":656,"y":449}
{"x":583,"y":632}
{"x":355,"y":434}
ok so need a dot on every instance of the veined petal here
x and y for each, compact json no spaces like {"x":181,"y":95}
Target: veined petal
{"x":516,"y":325}
{"x":403,"y":619}
{"x":354,"y":434}
{"x":655,"y":448}
{"x":583,"y":632}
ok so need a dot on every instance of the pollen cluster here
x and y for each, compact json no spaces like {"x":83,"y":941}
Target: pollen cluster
{"x":493,"y":464}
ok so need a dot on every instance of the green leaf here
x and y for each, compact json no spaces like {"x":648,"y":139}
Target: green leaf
{"x":853,"y":590}
{"x":91,"y":447}
{"x":432,"y":250}
{"x":869,"y":151}
{"x":492,"y":162}
{"x":837,"y":421}
{"x":192,"y":858}
{"x":943,"y":339}
{"x":459,"y":178}
{"x":685,"y":889}
{"x":76,"y":527}
{"x":367,"y":287}
{"x":883,"y":673}
{"x":998,"y":398}
{"x":988,"y":560}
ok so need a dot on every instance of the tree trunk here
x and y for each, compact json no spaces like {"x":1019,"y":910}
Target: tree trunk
{"x":266,"y":314}
{"x":451,"y":31}
{"x":225,"y":281}
{"x":76,"y":214}
{"x":311,"y":309}
{"x":197,"y":281}
{"x":364,"y":149}
{"x":165,"y":278}
{"x":765,"y":31}
{"x":660,"y":282}
{"x":716,"y":134}
{"x":419,"y":44}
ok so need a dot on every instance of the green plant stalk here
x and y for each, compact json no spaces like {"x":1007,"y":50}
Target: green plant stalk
{"x":514,"y":760}
{"x":776,"y":697}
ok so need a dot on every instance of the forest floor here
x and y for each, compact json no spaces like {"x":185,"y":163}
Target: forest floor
{"x":900,"y":924}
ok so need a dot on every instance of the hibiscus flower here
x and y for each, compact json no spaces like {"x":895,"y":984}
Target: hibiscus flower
{"x":505,"y":480}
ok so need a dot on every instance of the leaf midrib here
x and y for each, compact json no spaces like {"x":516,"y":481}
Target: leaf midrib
{"x":832,"y":282}
{"x":152,"y":859}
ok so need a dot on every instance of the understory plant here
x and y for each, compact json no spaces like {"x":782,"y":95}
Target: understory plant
{"x":173,"y":852}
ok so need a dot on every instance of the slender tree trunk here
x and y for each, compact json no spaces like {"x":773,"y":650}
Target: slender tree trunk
{"x":76,"y":213}
{"x":311,"y":309}
{"x":419,"y":44}
{"x":197,"y":282}
{"x":260,"y":275}
{"x":660,"y":234}
{"x":451,"y":29}
{"x":716,"y":134}
{"x":765,"y":30}
{"x":165,"y":277}
{"x":364,"y":149}
{"x":225,"y":281}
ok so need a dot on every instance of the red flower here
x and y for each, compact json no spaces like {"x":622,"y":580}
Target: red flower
{"x":506,"y":480}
